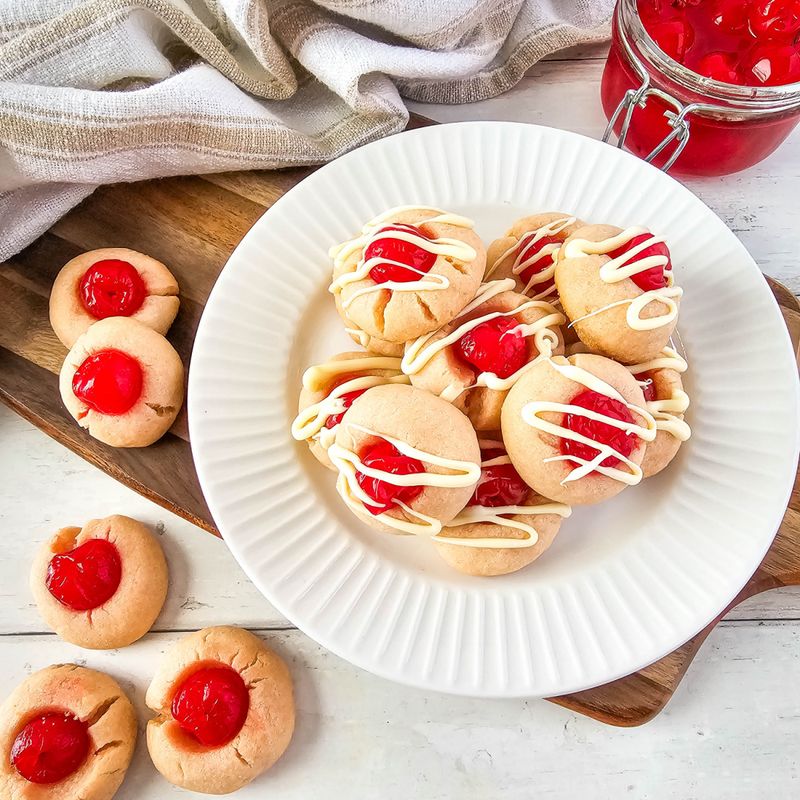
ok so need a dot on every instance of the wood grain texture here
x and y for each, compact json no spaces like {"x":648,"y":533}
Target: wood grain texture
{"x":192,"y":224}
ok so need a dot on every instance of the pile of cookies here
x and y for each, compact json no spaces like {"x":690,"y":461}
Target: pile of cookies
{"x":121,"y":380}
{"x":499,"y":386}
{"x":223,"y":700}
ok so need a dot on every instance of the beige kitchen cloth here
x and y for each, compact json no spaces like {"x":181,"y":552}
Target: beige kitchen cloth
{"x":100,"y":91}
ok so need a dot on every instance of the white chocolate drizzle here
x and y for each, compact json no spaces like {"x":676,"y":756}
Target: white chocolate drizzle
{"x":375,"y":230}
{"x":667,"y":413}
{"x":531,"y":415}
{"x":522,"y":264}
{"x":310,"y":422}
{"x":499,"y":515}
{"x":461,"y":474}
{"x":626,"y":266}
{"x":362,"y":337}
{"x":422,"y":350}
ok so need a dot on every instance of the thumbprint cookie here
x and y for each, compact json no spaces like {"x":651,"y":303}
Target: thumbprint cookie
{"x":410,"y":271}
{"x":617,"y":288}
{"x":665,"y":399}
{"x":112,"y":282}
{"x":528,"y":253}
{"x":328,"y":391}
{"x":576,"y":429}
{"x":100,"y":586}
{"x":123,"y":382}
{"x":474,"y":360}
{"x":66,"y":732}
{"x":225,"y":710}
{"x":505,"y":525}
{"x":408,"y":461}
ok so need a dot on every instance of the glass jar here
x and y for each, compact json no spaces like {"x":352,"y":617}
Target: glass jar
{"x":668,"y":114}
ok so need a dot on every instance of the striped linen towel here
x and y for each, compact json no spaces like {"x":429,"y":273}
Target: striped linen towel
{"x":100,"y":91}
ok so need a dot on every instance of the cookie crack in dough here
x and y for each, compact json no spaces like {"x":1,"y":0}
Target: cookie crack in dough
{"x":425,"y":308}
{"x":241,"y":757}
{"x":380,"y":309}
{"x":458,"y":266}
{"x":100,"y":711}
{"x":108,"y":746}
{"x":160,"y":411}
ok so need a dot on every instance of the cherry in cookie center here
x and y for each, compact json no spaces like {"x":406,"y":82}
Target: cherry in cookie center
{"x":598,"y":431}
{"x":211,"y":704}
{"x":109,"y":382}
{"x":111,"y":288}
{"x":397,"y":253}
{"x":85,"y":577}
{"x":50,"y":747}
{"x":385,"y":458}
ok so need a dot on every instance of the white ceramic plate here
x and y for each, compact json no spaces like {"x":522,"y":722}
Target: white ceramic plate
{"x":625,"y":582}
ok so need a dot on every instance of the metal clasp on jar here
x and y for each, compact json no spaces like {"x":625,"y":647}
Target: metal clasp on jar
{"x":676,"y":118}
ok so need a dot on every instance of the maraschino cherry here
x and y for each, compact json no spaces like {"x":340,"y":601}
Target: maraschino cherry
{"x":720,"y":66}
{"x":499,"y":484}
{"x":649,"y":279}
{"x":51,"y":747}
{"x":112,"y":288}
{"x":600,"y":432}
{"x":85,"y":577}
{"x":347,"y":400}
{"x":540,"y":265}
{"x":386,"y":457}
{"x":211,"y":705}
{"x":774,"y":19}
{"x":109,"y":381}
{"x":773,"y":64}
{"x":647,"y":385}
{"x":494,"y":346}
{"x":401,"y":261}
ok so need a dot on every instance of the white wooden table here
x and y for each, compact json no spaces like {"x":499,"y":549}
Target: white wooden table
{"x":730,"y":732}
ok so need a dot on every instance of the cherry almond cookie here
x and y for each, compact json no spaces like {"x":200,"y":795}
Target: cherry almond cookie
{"x":123,"y":382}
{"x":66,"y":732}
{"x":408,"y":461}
{"x":100,"y":586}
{"x":617,"y":288}
{"x":225,"y":710}
{"x":410,"y":271}
{"x":576,"y":428}
{"x":112,"y":282}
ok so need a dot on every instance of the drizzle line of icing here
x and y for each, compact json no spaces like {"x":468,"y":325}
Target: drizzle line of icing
{"x":668,"y":413}
{"x":422,"y":350}
{"x":374,"y":230}
{"x":310,"y":422}
{"x":531,"y":411}
{"x":496,"y":515}
{"x":551,"y":249}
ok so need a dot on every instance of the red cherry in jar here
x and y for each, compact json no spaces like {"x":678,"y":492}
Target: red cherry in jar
{"x":112,"y":288}
{"x":773,"y":65}
{"x":211,"y":705}
{"x":540,"y":265}
{"x":494,"y":346}
{"x":499,"y":485}
{"x":729,"y":16}
{"x":774,"y":19}
{"x":86,"y":576}
{"x":720,"y":66}
{"x":674,"y":37}
{"x":596,"y":430}
{"x":50,"y":748}
{"x":109,"y":381}
{"x":386,"y":457}
{"x":649,"y":279}
{"x":400,"y":260}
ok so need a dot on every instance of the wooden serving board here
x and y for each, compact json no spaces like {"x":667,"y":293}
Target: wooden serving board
{"x":192,"y":224}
